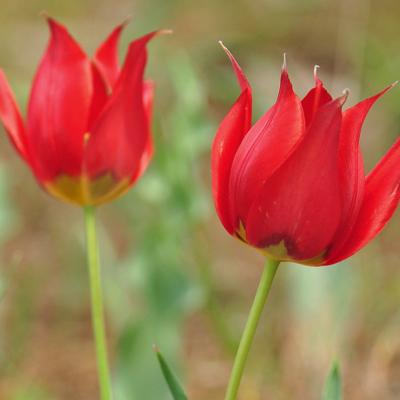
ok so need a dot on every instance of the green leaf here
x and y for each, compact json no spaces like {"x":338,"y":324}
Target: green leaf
{"x":333,"y":384}
{"x":173,"y":384}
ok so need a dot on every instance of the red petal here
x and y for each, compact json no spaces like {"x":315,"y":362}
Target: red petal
{"x":381,"y":198}
{"x":11,"y":117}
{"x":106,"y":57}
{"x":120,"y":137}
{"x":351,"y":168}
{"x":299,"y":206}
{"x":99,"y":97}
{"x":59,"y":105}
{"x":148,"y":96}
{"x":241,"y":77}
{"x":264,"y":149}
{"x":229,"y":136}
{"x":315,"y":98}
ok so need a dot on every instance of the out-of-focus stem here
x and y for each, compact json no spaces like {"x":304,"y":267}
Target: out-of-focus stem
{"x":97,"y":303}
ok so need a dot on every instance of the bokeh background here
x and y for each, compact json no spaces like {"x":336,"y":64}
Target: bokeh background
{"x":172,"y":275}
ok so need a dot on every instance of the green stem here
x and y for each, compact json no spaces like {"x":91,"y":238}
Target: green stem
{"x":97,"y":303}
{"x":242,"y":353}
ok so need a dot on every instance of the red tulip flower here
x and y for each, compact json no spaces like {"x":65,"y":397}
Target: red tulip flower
{"x":293,"y":184}
{"x":87,"y":133}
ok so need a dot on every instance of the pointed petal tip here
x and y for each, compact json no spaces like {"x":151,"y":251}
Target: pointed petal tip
{"x":316,"y":79}
{"x":284,"y":63}
{"x":149,"y":36}
{"x":228,"y":53}
{"x":226,"y":50}
{"x":44,"y":14}
{"x":244,"y":84}
{"x":164,"y":32}
{"x":49,"y":19}
{"x":126,"y":20}
{"x":342,"y":99}
{"x":387,"y":88}
{"x":52,"y":22}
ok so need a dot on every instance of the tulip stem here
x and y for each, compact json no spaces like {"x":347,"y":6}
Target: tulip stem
{"x":242,"y":353}
{"x":97,"y":303}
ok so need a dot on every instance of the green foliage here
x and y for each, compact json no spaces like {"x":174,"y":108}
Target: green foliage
{"x":333,"y":384}
{"x":173,"y":202}
{"x":173,"y":384}
{"x":31,"y":392}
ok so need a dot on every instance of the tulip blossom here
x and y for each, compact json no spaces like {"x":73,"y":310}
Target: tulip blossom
{"x":87,"y":133}
{"x":293,"y":183}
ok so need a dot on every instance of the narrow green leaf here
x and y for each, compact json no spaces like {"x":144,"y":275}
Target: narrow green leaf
{"x":173,"y":384}
{"x":333,"y":384}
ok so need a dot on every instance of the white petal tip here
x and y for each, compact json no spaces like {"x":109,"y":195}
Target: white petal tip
{"x":127,"y":19}
{"x":165,"y":32}
{"x":316,"y":68}
{"x":226,"y":50}
{"x":223,"y":46}
{"x":284,"y":63}
{"x":44,"y":14}
{"x":345,"y":95}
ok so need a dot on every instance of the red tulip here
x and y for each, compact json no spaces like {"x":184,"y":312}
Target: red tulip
{"x":293,"y":183}
{"x":87,"y":134}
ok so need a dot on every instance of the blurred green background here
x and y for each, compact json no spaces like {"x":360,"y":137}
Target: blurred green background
{"x":172,"y":275}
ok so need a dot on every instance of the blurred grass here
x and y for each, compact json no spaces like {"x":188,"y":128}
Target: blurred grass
{"x":172,"y":275}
